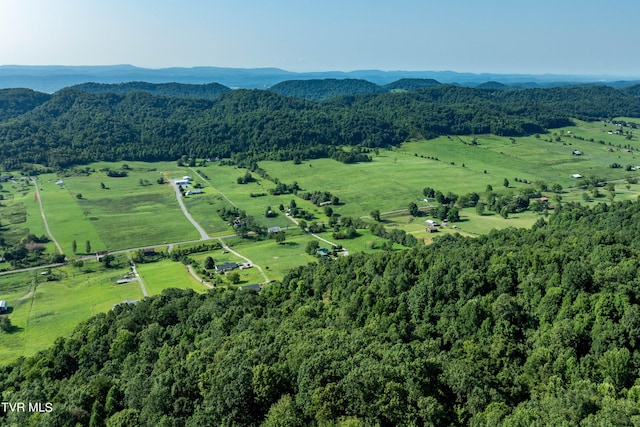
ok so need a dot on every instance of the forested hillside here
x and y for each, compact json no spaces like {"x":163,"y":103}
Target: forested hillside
{"x":15,"y":102}
{"x":519,"y":327}
{"x":178,"y":90}
{"x":318,"y":90}
{"x":73,"y":126}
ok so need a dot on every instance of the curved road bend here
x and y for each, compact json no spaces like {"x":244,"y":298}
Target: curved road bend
{"x":44,"y":219}
{"x":227,"y":248}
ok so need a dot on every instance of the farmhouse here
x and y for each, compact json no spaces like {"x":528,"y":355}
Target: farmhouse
{"x":3,"y":306}
{"x":323,"y":252}
{"x":226,"y":266}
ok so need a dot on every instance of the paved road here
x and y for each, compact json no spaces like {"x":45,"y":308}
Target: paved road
{"x":203,"y":234}
{"x":144,"y":290}
{"x":44,"y":218}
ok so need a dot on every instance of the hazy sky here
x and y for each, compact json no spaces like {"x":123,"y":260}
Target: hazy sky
{"x":541,"y":36}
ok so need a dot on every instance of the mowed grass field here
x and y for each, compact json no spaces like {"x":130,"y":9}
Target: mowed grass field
{"x":129,"y":212}
{"x":43,"y":310}
{"x":167,"y":274}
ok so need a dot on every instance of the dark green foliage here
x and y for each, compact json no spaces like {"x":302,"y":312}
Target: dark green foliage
{"x":318,"y":90}
{"x":177,"y":90}
{"x":519,"y":327}
{"x":73,"y":126}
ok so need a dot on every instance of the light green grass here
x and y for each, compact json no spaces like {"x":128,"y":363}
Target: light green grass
{"x":44,"y":310}
{"x":276,"y":260}
{"x":167,"y":274}
{"x":124,"y":215}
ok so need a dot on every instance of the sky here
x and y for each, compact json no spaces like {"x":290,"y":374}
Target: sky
{"x":583,"y":37}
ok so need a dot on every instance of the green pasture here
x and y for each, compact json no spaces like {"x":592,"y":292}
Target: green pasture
{"x":44,"y":310}
{"x":130,"y":211}
{"x":276,"y":260}
{"x":167,"y":274}
{"x":222,"y":182}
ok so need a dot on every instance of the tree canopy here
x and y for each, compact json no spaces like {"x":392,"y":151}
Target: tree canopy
{"x":535,"y":327}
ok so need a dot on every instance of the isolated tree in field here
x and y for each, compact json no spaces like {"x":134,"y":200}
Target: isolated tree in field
{"x":5,"y":324}
{"x":87,"y":247}
{"x":79,"y":196}
{"x":209,"y":263}
{"x":480,"y":208}
{"x":375,"y":214}
{"x":74,"y":247}
{"x":234,"y":278}
{"x":107,"y":260}
{"x":280,"y":237}
{"x":489,"y":188}
{"x":312,"y":247}
{"x":328,"y":211}
{"x":505,"y":183}
{"x":103,"y":186}
{"x":413,"y":209}
{"x":556,"y":188}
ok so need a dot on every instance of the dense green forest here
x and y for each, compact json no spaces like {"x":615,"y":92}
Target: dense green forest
{"x":318,"y":90}
{"x":179,"y":90}
{"x":73,"y":126}
{"x":515,"y":328}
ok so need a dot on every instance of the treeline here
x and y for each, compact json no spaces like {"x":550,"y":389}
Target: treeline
{"x":519,"y":327}
{"x":72,"y":126}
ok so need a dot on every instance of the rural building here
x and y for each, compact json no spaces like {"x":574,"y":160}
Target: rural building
{"x":190,"y":192}
{"x":432,"y":222}
{"x":60,"y":183}
{"x":272,"y":230}
{"x":148,"y":251}
{"x":226,"y":266}
{"x":576,"y":176}
{"x":100,"y":255}
{"x":431,"y":229}
{"x":187,"y":178}
{"x":577,"y":153}
{"x":323,"y":252}
{"x":3,"y":306}
{"x":182,"y":183}
{"x":127,"y":280}
{"x":328,"y":202}
{"x":255,"y":287}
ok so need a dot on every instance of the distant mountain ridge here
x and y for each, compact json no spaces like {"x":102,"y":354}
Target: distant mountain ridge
{"x":53,"y":78}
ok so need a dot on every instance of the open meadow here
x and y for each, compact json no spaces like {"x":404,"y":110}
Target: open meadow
{"x":46,"y":304}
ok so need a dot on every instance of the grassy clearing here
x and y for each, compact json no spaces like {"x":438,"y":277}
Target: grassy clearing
{"x":276,"y":260}
{"x":167,"y":274}
{"x":44,"y":310}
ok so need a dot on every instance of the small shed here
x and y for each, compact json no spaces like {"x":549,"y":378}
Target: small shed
{"x":3,"y":306}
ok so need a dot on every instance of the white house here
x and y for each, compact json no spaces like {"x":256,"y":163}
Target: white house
{"x":432,"y":223}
